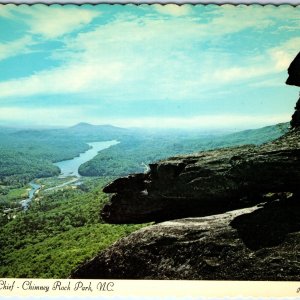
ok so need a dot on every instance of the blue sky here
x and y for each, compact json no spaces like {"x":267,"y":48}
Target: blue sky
{"x":147,"y":66}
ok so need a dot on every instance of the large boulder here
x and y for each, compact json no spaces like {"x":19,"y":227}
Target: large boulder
{"x":257,"y":243}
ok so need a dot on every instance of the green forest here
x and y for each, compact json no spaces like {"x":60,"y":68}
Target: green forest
{"x":62,"y":227}
{"x":59,"y":231}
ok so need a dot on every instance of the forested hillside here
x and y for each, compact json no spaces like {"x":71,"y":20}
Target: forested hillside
{"x":59,"y":231}
{"x":29,"y":154}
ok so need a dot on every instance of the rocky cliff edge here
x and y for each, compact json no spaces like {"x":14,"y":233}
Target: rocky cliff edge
{"x":231,"y":213}
{"x":256,"y":237}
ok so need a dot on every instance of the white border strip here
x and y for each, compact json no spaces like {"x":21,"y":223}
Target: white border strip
{"x":149,"y":288}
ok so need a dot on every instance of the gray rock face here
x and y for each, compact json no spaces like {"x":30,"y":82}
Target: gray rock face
{"x":206,"y":183}
{"x":257,"y":243}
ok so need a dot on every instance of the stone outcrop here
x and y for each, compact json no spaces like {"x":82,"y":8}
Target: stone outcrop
{"x":231,"y":213}
{"x":206,"y":183}
{"x":257,"y":243}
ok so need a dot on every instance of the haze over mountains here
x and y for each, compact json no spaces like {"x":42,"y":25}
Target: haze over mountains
{"x":34,"y":150}
{"x":110,"y":130}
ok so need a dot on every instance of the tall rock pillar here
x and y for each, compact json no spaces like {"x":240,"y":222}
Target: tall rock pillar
{"x":294,"y":79}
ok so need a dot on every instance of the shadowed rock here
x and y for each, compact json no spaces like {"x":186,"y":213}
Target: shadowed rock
{"x":294,"y":79}
{"x":257,"y":243}
{"x":294,"y":72}
{"x":270,"y":225}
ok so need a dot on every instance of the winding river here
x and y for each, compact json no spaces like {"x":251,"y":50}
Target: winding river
{"x":34,"y":187}
{"x":70,"y":168}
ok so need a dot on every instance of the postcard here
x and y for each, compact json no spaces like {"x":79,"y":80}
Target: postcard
{"x":149,"y":151}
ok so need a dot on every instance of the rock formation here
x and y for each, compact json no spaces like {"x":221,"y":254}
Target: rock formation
{"x":294,"y":79}
{"x":206,"y":183}
{"x":258,"y":243}
{"x":232,"y":213}
{"x":294,"y":72}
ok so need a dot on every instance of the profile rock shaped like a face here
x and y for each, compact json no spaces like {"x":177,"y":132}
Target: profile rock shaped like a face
{"x":294,"y":72}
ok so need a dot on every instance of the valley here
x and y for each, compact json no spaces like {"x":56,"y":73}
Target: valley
{"x":60,"y":174}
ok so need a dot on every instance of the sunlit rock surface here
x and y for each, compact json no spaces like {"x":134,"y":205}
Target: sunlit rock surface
{"x":257,"y":243}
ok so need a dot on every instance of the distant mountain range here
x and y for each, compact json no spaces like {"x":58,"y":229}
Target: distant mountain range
{"x":82,"y":131}
{"x":89,"y":129}
{"x":107,"y":129}
{"x":86,"y":127}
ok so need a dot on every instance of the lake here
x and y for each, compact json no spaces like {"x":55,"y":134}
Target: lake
{"x":70,"y":167}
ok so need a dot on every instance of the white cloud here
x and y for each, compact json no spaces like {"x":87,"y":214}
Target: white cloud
{"x":5,"y":10}
{"x":173,"y":9}
{"x":148,"y":58}
{"x":76,"y":78}
{"x":285,"y":53}
{"x":272,"y":61}
{"x":47,"y":21}
{"x":50,"y":21}
{"x":42,"y":116}
{"x":238,"y":73}
{"x":15,"y":47}
{"x":53,"y":21}
{"x":228,"y":20}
